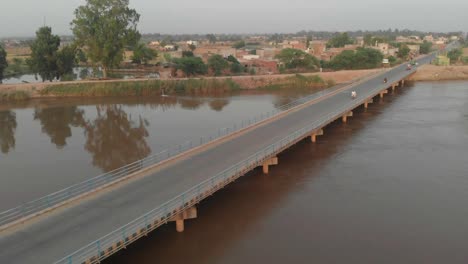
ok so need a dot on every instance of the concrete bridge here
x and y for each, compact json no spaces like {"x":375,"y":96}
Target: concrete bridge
{"x":109,"y":215}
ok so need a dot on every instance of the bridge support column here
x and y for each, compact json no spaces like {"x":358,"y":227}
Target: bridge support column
{"x":190,"y":213}
{"x":382,"y":93}
{"x":314,"y":135}
{"x":403,"y":82}
{"x":393,"y":87}
{"x":345,"y":116}
{"x":367,"y":102}
{"x":268,"y":163}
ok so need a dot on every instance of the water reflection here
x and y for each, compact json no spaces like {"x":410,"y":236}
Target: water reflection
{"x":56,"y":122}
{"x":114,"y":139}
{"x":218,"y":104}
{"x":7,"y":130}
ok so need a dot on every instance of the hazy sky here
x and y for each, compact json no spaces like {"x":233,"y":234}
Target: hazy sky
{"x":23,"y":17}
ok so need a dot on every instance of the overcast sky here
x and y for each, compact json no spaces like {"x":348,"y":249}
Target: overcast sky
{"x":23,"y":17}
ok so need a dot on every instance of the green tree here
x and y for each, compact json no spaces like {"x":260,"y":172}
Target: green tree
{"x":66,"y":60}
{"x":44,"y":54}
{"x":3,"y":62}
{"x":211,"y":38}
{"x":105,"y":28}
{"x":362,"y":58}
{"x":187,"y":53}
{"x":425,"y":48}
{"x":217,"y":63}
{"x":190,"y":65}
{"x":367,"y":58}
{"x":454,"y":55}
{"x":368,"y":40}
{"x":295,"y":59}
{"x":403,"y":51}
{"x":192,"y":47}
{"x":308,"y":40}
{"x":339,"y":40}
{"x":239,"y":44}
{"x":232,"y":59}
{"x":237,"y":68}
{"x":143,"y":54}
{"x":344,"y":60}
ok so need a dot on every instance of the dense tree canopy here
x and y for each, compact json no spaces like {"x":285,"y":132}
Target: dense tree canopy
{"x":44,"y":54}
{"x":190,"y":65}
{"x":104,"y":28}
{"x":340,"y":40}
{"x":403,"y":51}
{"x":3,"y":62}
{"x":211,"y":38}
{"x":217,"y":64}
{"x":454,"y":55}
{"x":426,"y":47}
{"x":66,"y":60}
{"x":239,"y":44}
{"x":297,"y":59}
{"x":362,"y":58}
{"x":143,"y":54}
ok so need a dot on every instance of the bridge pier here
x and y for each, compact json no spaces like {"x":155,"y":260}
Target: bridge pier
{"x":367,"y":102}
{"x":393,"y":87}
{"x":382,"y":93}
{"x":314,"y":135}
{"x":190,"y":213}
{"x":268,"y":163}
{"x":345,"y":116}
{"x":403,"y":82}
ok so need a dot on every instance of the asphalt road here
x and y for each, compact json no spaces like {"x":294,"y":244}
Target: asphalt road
{"x":55,"y":237}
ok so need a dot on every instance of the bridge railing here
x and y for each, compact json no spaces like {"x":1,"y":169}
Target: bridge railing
{"x":120,"y":238}
{"x":58,"y":198}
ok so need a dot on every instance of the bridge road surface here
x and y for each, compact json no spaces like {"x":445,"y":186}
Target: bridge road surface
{"x":65,"y":231}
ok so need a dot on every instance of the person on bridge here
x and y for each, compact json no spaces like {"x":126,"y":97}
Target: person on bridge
{"x":353,"y":94}
{"x":385,"y":80}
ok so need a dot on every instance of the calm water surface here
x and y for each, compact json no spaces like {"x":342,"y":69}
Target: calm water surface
{"x":390,"y":186}
{"x":48,"y":145}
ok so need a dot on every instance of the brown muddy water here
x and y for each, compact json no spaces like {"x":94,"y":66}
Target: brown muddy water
{"x":390,"y":186}
{"x":48,"y":145}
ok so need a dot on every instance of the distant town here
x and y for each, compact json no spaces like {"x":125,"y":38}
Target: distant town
{"x":180,"y":56}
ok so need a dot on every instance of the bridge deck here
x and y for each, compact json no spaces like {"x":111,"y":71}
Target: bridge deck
{"x":67,"y":230}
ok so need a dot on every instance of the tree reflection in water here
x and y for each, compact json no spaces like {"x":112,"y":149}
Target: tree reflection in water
{"x":114,"y":139}
{"x":56,"y":122}
{"x":218,"y":104}
{"x":7,"y":131}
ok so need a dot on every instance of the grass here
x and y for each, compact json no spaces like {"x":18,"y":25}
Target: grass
{"x":144,"y":88}
{"x":299,"y":81}
{"x":14,"y":96}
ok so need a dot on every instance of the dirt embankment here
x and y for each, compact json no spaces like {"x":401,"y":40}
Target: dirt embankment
{"x":440,"y":73}
{"x":253,"y":82}
{"x":245,"y":82}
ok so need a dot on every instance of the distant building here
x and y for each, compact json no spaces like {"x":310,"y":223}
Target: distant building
{"x":169,"y":48}
{"x":429,"y":38}
{"x":155,"y":43}
{"x":251,"y":57}
{"x":192,"y":42}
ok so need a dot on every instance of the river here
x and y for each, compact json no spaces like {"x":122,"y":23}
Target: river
{"x":390,"y":186}
{"x":48,"y":145}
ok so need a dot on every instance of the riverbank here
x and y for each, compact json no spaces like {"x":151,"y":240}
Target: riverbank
{"x":193,"y":86}
{"x":440,"y":73}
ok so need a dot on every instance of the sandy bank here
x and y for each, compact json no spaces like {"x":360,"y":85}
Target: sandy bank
{"x":440,"y":73}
